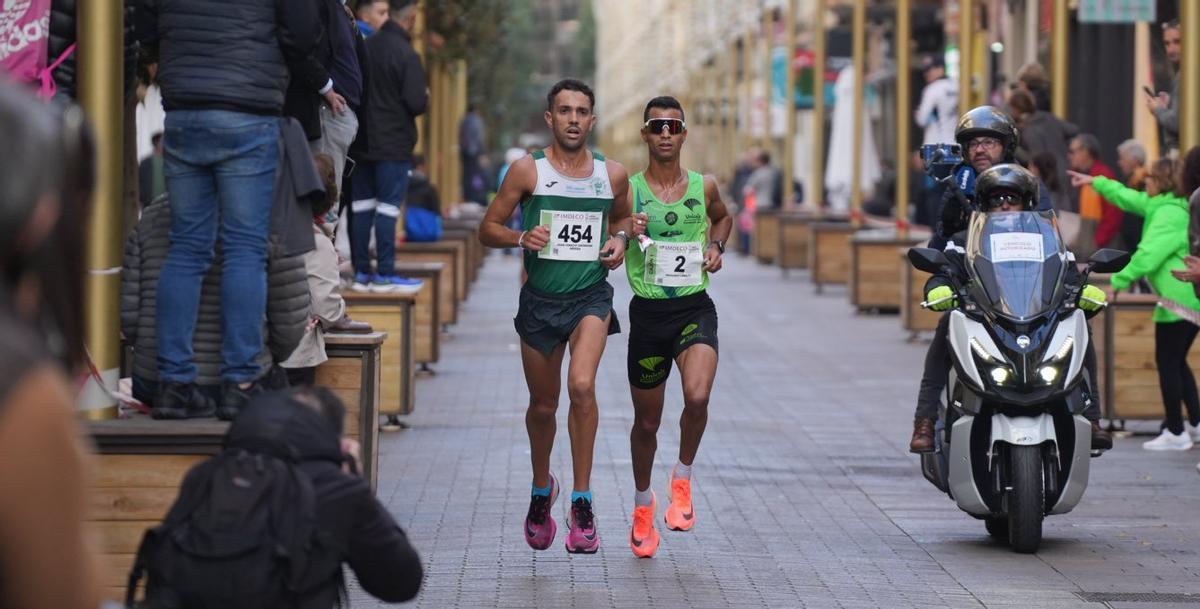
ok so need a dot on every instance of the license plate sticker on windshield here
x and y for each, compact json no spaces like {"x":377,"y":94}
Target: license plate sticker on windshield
{"x":1017,"y":247}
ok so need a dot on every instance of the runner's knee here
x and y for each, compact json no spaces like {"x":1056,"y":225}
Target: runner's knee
{"x":543,"y":407}
{"x":695,"y":401}
{"x":646,"y":424}
{"x":581,"y":389}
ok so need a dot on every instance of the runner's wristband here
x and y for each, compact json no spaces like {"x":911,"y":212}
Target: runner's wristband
{"x":521,"y":239}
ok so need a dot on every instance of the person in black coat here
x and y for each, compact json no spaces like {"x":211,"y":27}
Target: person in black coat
{"x":397,"y":93}
{"x":356,"y":529}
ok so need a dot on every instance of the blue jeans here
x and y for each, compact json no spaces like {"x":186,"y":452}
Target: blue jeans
{"x":379,"y":189}
{"x":220,"y":171}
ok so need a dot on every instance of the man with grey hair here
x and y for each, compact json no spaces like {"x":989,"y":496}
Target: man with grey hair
{"x":1083,"y":155}
{"x":1131,"y":161}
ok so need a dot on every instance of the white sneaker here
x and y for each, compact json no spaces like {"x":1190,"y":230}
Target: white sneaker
{"x":1193,"y":431}
{"x":1169,"y":441}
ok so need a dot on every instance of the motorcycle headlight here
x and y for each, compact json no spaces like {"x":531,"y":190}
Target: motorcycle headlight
{"x":1000,"y":375}
{"x":1048,"y":374}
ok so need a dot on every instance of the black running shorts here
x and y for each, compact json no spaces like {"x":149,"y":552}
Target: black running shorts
{"x":545,"y":321}
{"x":660,"y":329}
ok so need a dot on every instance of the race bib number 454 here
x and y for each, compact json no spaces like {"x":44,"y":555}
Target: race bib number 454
{"x":574,"y":235}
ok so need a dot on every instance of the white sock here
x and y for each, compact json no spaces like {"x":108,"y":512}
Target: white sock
{"x":643,"y":498}
{"x":682,"y":471}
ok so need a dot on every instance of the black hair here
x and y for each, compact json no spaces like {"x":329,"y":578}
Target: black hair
{"x":418,"y":160}
{"x":569,"y":84}
{"x":1189,"y":180}
{"x":325,"y":402}
{"x":51,"y":152}
{"x":1047,"y":167}
{"x":156,"y":138}
{"x":665,"y":102}
{"x":764,"y":157}
{"x":399,"y":7}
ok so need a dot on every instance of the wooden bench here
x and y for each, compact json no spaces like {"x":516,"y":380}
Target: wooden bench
{"x":876,"y":276}
{"x":352,"y":372}
{"x":392,"y":314}
{"x":470,"y":224}
{"x":470,"y":244}
{"x":450,"y":254}
{"x":795,"y":231}
{"x":829,"y":253}
{"x":766,"y":235}
{"x":427,"y":325}
{"x":1124,"y":336}
{"x":913,"y":317}
{"x":141,"y":462}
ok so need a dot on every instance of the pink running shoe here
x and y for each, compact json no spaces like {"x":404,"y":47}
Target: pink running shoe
{"x":539,"y":524}
{"x":581,"y":528}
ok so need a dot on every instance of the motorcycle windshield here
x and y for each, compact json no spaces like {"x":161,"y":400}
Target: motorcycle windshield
{"x":1018,"y":259}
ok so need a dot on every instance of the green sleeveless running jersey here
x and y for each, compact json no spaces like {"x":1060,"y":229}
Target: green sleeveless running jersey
{"x":576,"y":211}
{"x":673,"y":269}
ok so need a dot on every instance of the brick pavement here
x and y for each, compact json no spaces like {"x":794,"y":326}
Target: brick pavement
{"x":805,"y":493}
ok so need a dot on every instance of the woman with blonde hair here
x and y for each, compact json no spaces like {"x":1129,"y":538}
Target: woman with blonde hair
{"x":1163,"y":246}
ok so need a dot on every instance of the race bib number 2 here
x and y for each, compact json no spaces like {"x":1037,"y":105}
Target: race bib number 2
{"x":675,"y":265}
{"x":574,"y":235}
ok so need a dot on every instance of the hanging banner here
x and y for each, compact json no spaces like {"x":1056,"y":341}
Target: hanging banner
{"x":779,"y":68}
{"x":1117,"y":11}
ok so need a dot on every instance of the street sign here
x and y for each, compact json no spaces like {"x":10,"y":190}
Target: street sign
{"x":1116,"y":11}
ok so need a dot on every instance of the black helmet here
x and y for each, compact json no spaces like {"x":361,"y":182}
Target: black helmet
{"x":987,"y":121}
{"x":1007,"y":180}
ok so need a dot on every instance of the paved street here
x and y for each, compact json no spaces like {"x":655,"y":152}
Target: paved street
{"x":805,"y":492}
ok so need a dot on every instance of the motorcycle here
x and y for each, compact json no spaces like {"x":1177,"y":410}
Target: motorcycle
{"x":1012,"y":445}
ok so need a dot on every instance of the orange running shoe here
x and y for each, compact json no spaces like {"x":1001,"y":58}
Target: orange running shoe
{"x":643,"y":537}
{"x":680,"y":516}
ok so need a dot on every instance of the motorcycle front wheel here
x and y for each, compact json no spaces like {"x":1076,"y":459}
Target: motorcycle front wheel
{"x":1026,"y":498}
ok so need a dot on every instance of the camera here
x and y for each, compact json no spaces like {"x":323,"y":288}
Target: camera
{"x":941,"y":159}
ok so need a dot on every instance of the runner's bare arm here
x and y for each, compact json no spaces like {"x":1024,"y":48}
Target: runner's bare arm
{"x":721,"y":224}
{"x":619,"y":218}
{"x":518,"y":184}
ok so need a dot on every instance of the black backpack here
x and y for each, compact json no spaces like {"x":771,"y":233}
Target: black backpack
{"x":239,"y":535}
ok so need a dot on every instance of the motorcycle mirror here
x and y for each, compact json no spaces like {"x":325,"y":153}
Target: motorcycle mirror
{"x":927,"y":259}
{"x":1108,"y":260}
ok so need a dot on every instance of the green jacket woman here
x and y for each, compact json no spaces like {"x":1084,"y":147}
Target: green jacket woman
{"x":1163,"y":247}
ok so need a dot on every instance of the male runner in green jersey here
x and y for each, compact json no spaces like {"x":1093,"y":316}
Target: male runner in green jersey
{"x":681,"y":226}
{"x":574,"y":203}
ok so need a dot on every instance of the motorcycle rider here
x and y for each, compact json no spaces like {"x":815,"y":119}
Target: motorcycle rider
{"x":1003,"y":187}
{"x":987,"y":137}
